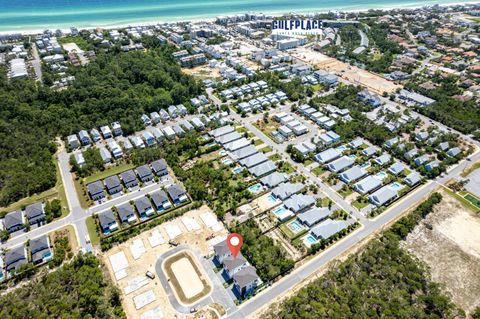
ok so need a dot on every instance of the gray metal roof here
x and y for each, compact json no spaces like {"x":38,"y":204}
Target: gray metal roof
{"x":34,"y":210}
{"x":263,"y":169}
{"x":285,"y":190}
{"x":112,"y":182}
{"x":128,"y":176}
{"x":175,"y":191}
{"x":273,"y":179}
{"x":39,"y":244}
{"x":314,"y":215}
{"x":144,"y":171}
{"x":13,"y":219}
{"x":352,"y":174}
{"x":328,"y":228}
{"x":253,"y":160}
{"x":413,"y":178}
{"x":341,"y":164}
{"x":367,"y":184}
{"x":327,"y":155}
{"x":125,"y":210}
{"x":159,"y":197}
{"x":95,"y":187}
{"x":383,"y":195}
{"x":159,"y":165}
{"x":142,"y":204}
{"x":243,"y":152}
{"x":230,"y":263}
{"x":15,"y":257}
{"x":106,"y":218}
{"x":245,"y":277}
{"x":221,"y":249}
{"x":298,"y":202}
{"x":227,"y":138}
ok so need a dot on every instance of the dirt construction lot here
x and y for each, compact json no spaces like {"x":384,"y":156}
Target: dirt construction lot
{"x":448,"y":241}
{"x":352,"y":74}
{"x":128,"y":262}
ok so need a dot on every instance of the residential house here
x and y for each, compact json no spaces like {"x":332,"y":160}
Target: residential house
{"x":313,"y":216}
{"x":383,"y":196}
{"x":106,"y":132}
{"x":144,"y":173}
{"x":146,"y":120}
{"x":126,"y":214}
{"x":383,"y":159}
{"x":160,"y":200}
{"x":327,"y":155}
{"x":13,"y":221}
{"x":177,"y":194}
{"x":396,"y":168}
{"x":40,"y":250}
{"x":285,"y":190}
{"x":117,"y":129}
{"x":155,"y":118}
{"x":149,"y":138}
{"x":368,"y":185}
{"x":421,"y":160}
{"x":273,"y":179}
{"x":95,"y":134}
{"x":84,"y":138}
{"x":129,"y":178}
{"x":115,"y":149}
{"x":299,"y":202}
{"x":265,"y":168}
{"x":169,"y":132}
{"x":410,"y":154}
{"x":107,"y":221}
{"x":105,"y":154}
{"x":253,"y":160}
{"x":232,"y":265}
{"x":35,"y":214}
{"x":341,"y":164}
{"x":246,"y":280}
{"x":413,"y":179}
{"x":137,"y":141}
{"x":443,"y":146}
{"x":95,"y":190}
{"x":454,"y":151}
{"x":113,"y":184}
{"x":159,"y":167}
{"x":144,"y":207}
{"x":430,"y":166}
{"x":173,"y":111}
{"x":391,"y":142}
{"x":79,"y":159}
{"x":15,"y":257}
{"x":221,"y":252}
{"x":164,"y":116}
{"x":243,"y":153}
{"x":370,"y":151}
{"x":328,"y":228}
{"x":353,"y":174}
{"x":73,"y":141}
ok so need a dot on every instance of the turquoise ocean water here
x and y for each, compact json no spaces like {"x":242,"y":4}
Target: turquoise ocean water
{"x":23,"y":15}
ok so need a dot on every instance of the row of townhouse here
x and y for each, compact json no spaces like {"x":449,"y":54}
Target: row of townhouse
{"x":143,"y":208}
{"x":262,"y":102}
{"x":239,"y":91}
{"x":85,"y":138}
{"x":129,"y":179}
{"x":33,"y":214}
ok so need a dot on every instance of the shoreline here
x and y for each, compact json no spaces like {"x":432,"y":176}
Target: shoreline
{"x":200,"y":19}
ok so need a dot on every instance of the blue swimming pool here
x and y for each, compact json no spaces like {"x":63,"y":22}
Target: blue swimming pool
{"x":381,"y":174}
{"x":279,"y":210}
{"x":311,"y":240}
{"x":272,"y":199}
{"x":395,"y":186}
{"x":255,"y":188}
{"x":352,"y":156}
{"x":222,"y":153}
{"x":295,"y":226}
{"x":341,"y":148}
{"x":227,"y":161}
{"x":365,"y":165}
{"x":237,"y":170}
{"x":211,"y":144}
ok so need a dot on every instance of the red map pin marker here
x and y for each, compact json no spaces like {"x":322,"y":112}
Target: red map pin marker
{"x":234,"y":242}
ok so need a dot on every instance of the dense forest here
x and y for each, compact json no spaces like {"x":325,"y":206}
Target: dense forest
{"x":116,"y":87}
{"x":76,"y":290}
{"x":383,"y":281}
{"x":269,"y":258}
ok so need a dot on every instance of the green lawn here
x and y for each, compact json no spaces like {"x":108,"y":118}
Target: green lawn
{"x":359,"y":205}
{"x":241,"y":129}
{"x":258,"y":142}
{"x":307,"y":162}
{"x":117,"y":169}
{"x":266,"y":149}
{"x":275,"y":157}
{"x":286,"y":168}
{"x":472,"y":199}
{"x":345,"y":193}
{"x":467,"y":172}
{"x":92,"y":231}
{"x":318,"y":170}
{"x":82,"y":43}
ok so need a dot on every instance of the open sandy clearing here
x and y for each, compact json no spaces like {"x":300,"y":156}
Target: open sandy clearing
{"x":448,"y":241}
{"x":186,"y":278}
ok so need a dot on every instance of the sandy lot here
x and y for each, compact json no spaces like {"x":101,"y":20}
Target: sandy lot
{"x":448,"y":241}
{"x":69,"y":47}
{"x":350,"y":73}
{"x":134,"y":284}
{"x":203,"y":72}
{"x":187,"y":277}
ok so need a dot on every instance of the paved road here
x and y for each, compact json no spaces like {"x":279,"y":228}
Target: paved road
{"x":36,"y":63}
